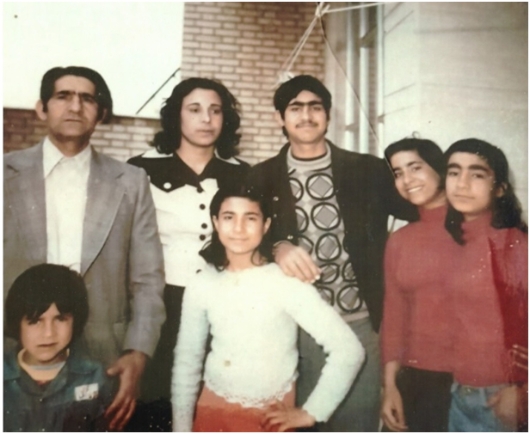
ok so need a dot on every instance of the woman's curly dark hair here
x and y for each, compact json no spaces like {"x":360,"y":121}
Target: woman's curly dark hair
{"x":215,"y":253}
{"x":167,"y":141}
{"x":507,"y":212}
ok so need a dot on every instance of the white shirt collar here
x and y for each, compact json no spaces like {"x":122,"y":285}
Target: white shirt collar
{"x":51,"y":156}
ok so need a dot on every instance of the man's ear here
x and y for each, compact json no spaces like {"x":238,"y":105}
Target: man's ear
{"x":278,"y":118}
{"x":267,"y":225}
{"x":500,"y":190}
{"x":102,"y":117}
{"x":39,"y":108}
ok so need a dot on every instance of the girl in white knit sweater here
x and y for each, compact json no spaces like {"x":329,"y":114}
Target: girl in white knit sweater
{"x":252,"y":311}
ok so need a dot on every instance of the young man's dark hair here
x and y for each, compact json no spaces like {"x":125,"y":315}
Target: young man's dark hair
{"x":167,"y":141}
{"x":507,"y":212}
{"x":290,"y":90}
{"x":37,"y":288}
{"x":102,"y":92}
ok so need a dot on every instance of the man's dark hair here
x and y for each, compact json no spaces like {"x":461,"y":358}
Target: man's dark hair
{"x":102,"y":92}
{"x":506,"y":209}
{"x":214,"y":253}
{"x":290,"y":90}
{"x":429,"y":152}
{"x":167,"y":141}
{"x":37,"y":288}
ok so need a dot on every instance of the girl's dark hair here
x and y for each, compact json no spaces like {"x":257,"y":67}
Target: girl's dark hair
{"x":506,"y":209}
{"x":429,"y":152}
{"x":167,"y":141}
{"x":37,"y":288}
{"x":214,"y":253}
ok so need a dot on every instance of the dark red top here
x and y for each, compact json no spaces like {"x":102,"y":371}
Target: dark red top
{"x":418,"y":315}
{"x":481,"y":356}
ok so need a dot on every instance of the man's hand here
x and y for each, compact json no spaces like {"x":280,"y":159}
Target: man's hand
{"x":504,"y":405}
{"x":130,"y":368}
{"x":296,"y":262}
{"x":281,"y":417}
{"x":392,"y":409}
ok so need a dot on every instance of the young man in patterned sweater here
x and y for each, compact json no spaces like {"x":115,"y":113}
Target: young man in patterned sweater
{"x":330,"y":211}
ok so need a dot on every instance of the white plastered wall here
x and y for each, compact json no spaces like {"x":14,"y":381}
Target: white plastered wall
{"x":459,"y":70}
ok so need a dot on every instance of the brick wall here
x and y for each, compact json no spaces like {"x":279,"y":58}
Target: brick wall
{"x":124,"y":138}
{"x":244,"y":45}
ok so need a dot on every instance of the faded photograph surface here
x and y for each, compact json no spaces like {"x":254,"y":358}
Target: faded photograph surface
{"x":265,"y":216}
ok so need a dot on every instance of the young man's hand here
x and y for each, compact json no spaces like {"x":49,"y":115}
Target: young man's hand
{"x":281,"y":417}
{"x":130,"y":368}
{"x":296,"y":262}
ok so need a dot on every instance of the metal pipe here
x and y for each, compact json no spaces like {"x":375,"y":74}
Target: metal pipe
{"x":349,"y":103}
{"x":364,"y":83}
{"x":380,"y":80}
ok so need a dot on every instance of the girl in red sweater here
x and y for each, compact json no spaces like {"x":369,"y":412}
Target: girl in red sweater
{"x":415,"y":334}
{"x":491,"y":291}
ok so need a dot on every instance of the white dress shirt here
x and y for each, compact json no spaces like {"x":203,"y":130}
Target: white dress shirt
{"x":66,"y":180}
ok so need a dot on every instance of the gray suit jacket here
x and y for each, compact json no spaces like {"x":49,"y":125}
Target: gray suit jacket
{"x":121,"y":263}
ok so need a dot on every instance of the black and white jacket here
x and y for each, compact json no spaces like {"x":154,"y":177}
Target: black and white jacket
{"x":182,"y":201}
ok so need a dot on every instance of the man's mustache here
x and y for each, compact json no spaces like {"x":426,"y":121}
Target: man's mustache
{"x":305,"y":124}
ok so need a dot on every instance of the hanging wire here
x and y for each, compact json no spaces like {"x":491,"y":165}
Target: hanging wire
{"x":357,"y":98}
{"x":158,"y":90}
{"x":321,"y":10}
{"x":301,"y":44}
{"x":285,"y":71}
{"x":351,"y":8}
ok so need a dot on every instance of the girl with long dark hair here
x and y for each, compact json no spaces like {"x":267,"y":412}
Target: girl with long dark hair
{"x":417,"y":321}
{"x":252,"y":311}
{"x":490,"y":284}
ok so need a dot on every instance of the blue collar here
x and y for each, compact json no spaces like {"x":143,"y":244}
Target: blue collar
{"x":75,"y":364}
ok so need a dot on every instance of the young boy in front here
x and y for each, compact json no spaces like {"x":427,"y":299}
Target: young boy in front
{"x":48,"y":386}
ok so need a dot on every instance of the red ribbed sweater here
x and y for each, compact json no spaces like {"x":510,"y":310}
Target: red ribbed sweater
{"x":418,"y":313}
{"x":480,"y":355}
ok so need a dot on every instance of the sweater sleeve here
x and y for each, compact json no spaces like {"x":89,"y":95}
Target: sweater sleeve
{"x":189,"y":357}
{"x":345,"y":353}
{"x":509,"y":256}
{"x":394,"y":308}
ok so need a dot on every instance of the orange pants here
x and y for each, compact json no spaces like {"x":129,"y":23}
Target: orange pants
{"x":215,"y":414}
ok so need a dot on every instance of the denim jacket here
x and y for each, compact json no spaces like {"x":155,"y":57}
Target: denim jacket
{"x":75,"y":400}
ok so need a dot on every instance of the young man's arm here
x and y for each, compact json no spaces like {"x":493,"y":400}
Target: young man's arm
{"x":293,"y":260}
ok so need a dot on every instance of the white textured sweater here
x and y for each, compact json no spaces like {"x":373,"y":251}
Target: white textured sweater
{"x":253,"y":316}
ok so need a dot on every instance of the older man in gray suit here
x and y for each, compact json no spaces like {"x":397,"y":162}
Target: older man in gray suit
{"x":67,"y":204}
